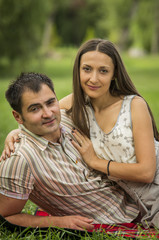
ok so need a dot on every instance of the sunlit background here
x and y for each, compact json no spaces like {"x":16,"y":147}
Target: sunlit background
{"x":44,"y":35}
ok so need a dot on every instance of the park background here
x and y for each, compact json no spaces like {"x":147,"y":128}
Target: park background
{"x":44,"y":35}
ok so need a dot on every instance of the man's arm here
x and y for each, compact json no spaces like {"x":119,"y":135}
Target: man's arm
{"x":10,"y":209}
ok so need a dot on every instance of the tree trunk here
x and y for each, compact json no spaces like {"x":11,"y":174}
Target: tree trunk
{"x":155,"y":35}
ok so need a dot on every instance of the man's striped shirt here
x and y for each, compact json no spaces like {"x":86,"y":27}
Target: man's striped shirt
{"x":55,"y":177}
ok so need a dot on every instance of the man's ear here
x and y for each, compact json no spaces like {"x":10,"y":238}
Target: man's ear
{"x":17,"y":117}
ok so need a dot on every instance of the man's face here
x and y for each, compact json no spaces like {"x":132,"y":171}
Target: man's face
{"x":41,"y":113}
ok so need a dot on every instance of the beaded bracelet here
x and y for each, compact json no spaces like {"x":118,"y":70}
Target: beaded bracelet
{"x":108,"y":167}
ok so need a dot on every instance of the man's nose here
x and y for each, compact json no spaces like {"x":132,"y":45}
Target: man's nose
{"x":47,"y":112}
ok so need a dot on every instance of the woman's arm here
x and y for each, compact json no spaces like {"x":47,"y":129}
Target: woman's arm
{"x":66,"y":102}
{"x":144,"y":169}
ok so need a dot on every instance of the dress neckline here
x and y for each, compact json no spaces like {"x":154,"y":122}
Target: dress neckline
{"x":94,"y":118}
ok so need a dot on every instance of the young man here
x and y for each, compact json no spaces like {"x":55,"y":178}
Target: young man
{"x":48,"y":170}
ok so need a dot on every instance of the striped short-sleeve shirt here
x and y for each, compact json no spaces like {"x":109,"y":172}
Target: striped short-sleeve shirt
{"x":55,"y":177}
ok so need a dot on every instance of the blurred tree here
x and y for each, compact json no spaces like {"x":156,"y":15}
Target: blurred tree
{"x":27,"y":25}
{"x":145,"y":26}
{"x":117,"y":21}
{"x":21,"y":27}
{"x":155,"y":32}
{"x":73,"y":18}
{"x":131,"y":23}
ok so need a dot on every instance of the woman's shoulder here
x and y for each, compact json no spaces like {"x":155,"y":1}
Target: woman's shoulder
{"x":140,"y":112}
{"x":135,"y":101}
{"x":66,"y":102}
{"x":138,"y":102}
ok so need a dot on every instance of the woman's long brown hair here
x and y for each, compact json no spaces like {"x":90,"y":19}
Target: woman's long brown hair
{"x":121,"y":85}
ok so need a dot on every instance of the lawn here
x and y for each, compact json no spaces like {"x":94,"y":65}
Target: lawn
{"x":143,"y":71}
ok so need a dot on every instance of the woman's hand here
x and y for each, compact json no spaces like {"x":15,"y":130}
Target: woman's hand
{"x":85,"y":148}
{"x":11,"y":138}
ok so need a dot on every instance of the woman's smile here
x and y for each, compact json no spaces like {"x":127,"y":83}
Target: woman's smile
{"x":93,"y":88}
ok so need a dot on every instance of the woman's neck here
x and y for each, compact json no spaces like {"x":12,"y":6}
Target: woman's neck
{"x":103,"y":103}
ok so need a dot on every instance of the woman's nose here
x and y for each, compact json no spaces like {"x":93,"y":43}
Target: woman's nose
{"x":94,"y":77}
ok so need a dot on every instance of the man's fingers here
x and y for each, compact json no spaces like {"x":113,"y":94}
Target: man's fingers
{"x":84,"y":225}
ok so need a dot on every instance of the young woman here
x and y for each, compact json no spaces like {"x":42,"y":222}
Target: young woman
{"x":119,"y":135}
{"x":116,"y":131}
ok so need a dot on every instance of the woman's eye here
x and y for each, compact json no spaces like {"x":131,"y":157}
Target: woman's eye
{"x":103,"y":71}
{"x":86,"y":69}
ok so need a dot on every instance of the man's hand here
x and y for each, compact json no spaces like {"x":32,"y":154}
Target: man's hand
{"x":74,"y":222}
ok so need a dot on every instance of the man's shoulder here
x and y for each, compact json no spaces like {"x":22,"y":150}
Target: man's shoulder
{"x":25,"y":145}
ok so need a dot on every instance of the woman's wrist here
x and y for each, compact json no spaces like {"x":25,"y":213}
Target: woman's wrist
{"x":99,"y":164}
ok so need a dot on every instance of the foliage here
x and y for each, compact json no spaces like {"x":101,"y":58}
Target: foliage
{"x":21,"y":27}
{"x":73,"y":18}
{"x":34,"y":28}
{"x":145,"y":25}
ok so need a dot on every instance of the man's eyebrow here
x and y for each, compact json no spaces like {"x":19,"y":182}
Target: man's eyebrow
{"x":37,"y":104}
{"x":51,"y":99}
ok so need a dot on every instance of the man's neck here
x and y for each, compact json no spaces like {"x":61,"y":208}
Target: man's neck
{"x":54,"y":137}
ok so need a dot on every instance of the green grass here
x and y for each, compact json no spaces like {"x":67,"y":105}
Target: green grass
{"x":145,"y":75}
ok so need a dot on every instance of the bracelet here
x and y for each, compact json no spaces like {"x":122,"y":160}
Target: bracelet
{"x":108,"y":167}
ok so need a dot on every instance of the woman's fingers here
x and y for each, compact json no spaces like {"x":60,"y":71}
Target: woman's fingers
{"x":6,"y":153}
{"x":3,"y":156}
{"x":79,"y":137}
{"x":9,"y":148}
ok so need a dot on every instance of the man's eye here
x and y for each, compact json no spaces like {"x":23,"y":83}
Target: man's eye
{"x":34,"y":109}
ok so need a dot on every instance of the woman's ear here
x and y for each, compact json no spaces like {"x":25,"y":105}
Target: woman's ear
{"x":17,"y":117}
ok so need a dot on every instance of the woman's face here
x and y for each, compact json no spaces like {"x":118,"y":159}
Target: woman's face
{"x":96,"y":73}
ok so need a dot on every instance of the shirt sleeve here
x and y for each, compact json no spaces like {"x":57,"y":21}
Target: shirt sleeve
{"x":16,"y":179}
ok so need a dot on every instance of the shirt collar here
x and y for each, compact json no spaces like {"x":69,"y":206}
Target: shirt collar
{"x":41,"y":142}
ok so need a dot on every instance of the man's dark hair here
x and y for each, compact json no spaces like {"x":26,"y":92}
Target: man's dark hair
{"x":31,"y":81}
